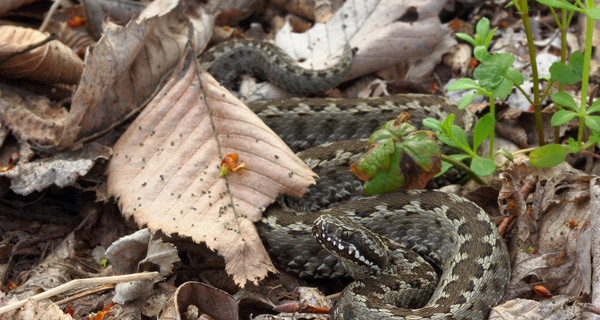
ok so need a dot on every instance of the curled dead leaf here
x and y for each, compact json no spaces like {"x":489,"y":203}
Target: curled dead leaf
{"x":52,"y":62}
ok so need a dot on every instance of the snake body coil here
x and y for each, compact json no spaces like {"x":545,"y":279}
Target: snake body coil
{"x":447,"y":230}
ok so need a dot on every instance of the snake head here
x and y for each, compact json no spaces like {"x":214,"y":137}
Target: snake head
{"x":362,"y":251}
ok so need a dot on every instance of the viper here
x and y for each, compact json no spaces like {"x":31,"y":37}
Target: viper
{"x":416,"y":254}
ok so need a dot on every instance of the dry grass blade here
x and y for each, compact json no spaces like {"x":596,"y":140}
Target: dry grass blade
{"x":165,"y":169}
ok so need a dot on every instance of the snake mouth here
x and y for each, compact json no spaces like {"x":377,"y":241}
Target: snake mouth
{"x":351,"y":243}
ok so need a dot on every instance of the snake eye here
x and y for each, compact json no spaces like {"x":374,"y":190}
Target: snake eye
{"x":346,"y":235}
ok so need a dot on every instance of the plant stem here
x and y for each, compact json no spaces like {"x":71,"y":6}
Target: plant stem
{"x":587,"y":55}
{"x":534,"y":72}
{"x":464,"y":168}
{"x":493,"y":130}
{"x":525,"y":94}
{"x":563,"y":25}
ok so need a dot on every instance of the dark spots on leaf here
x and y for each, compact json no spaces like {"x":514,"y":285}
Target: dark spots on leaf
{"x":411,"y":15}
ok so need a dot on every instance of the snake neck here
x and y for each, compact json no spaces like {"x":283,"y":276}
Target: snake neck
{"x":228,"y":60}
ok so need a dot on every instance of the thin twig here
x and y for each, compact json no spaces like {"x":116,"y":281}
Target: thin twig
{"x":51,"y":12}
{"x":78,"y":283}
{"x":87,"y":292}
{"x":29,"y":48}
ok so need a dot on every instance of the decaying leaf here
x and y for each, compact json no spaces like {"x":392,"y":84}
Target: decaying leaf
{"x":137,"y":252}
{"x":165,"y":169}
{"x":30,"y":117}
{"x":559,"y":307}
{"x":122,"y":72}
{"x":385,"y":32}
{"x":207,"y":299}
{"x":52,"y":62}
{"x":62,"y":169}
{"x":561,"y":259}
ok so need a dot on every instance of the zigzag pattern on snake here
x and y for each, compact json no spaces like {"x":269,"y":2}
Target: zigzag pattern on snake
{"x":447,"y":230}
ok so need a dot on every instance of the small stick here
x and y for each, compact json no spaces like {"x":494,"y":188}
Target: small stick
{"x":49,"y":15}
{"x":74,"y":297}
{"x":78,"y":283}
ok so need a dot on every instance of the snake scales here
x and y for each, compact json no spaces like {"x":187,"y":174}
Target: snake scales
{"x":446,"y":230}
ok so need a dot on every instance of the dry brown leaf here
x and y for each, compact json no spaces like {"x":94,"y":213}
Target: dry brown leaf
{"x":125,"y":70}
{"x":7,"y":5}
{"x":52,"y":62}
{"x":209,"y":300}
{"x":165,"y":170}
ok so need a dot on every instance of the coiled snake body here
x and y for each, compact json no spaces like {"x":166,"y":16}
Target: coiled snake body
{"x":444,"y":229}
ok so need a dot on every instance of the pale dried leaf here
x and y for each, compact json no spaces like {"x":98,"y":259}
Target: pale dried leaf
{"x":558,"y":307}
{"x":165,"y":170}
{"x":97,"y":11}
{"x":125,"y":253}
{"x":52,"y":62}
{"x":375,"y":28}
{"x":37,"y":310}
{"x":316,"y":10}
{"x":62,"y":169}
{"x":31,"y":118}
{"x":7,"y":5}
{"x":125,"y":70}
{"x":129,"y":291}
{"x":137,"y":252}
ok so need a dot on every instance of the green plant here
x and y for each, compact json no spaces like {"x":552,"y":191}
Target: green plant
{"x":578,"y":68}
{"x":495,"y":78}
